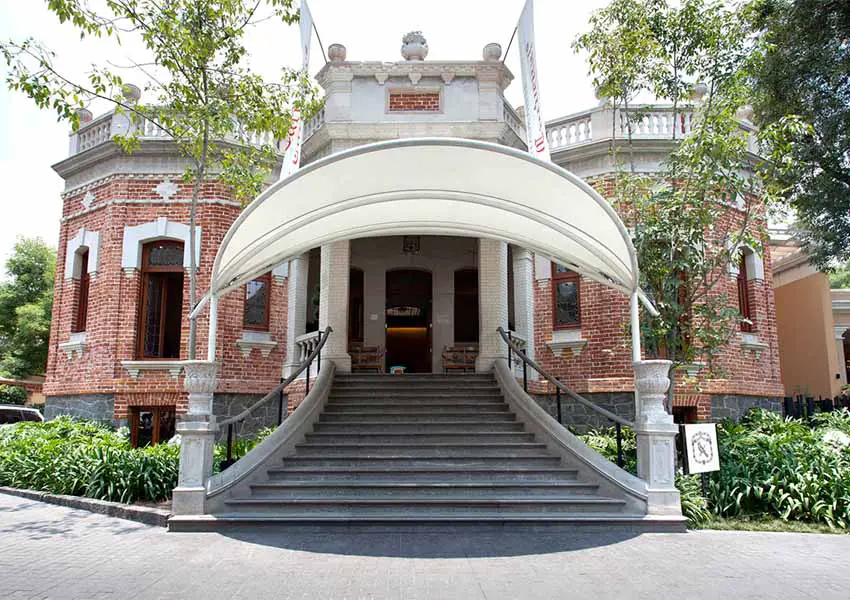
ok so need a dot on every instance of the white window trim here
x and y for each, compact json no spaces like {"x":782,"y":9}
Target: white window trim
{"x":754,"y":262}
{"x":161,"y":229}
{"x":567,"y":339}
{"x":76,"y":345}
{"x":83,"y":239}
{"x":261,"y":340}
{"x":136,"y":367}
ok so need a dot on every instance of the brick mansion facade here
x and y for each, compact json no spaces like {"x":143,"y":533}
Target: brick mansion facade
{"x":120,"y":322}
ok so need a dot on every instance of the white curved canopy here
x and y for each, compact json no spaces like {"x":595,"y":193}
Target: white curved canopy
{"x":430,"y":186}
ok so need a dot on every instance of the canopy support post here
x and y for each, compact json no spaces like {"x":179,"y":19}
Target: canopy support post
{"x":213,"y":328}
{"x":636,"y":355}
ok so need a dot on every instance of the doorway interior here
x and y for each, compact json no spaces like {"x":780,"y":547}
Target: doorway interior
{"x":408,"y":320}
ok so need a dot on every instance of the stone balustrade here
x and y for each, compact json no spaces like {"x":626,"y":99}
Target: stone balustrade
{"x":104,"y":128}
{"x":513,"y":121}
{"x":313,"y":124}
{"x":646,"y":122}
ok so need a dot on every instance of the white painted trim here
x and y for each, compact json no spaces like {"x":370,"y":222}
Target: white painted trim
{"x":567,"y":338}
{"x":76,"y":345}
{"x":281,"y":271}
{"x":135,"y":236}
{"x":136,"y":367}
{"x":261,"y":340}
{"x":83,"y":239}
{"x":755,"y":264}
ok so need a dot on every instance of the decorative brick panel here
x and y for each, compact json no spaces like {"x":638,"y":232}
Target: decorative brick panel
{"x":414,"y":102}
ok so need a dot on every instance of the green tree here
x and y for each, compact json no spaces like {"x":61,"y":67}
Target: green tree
{"x":802,"y":78}
{"x":690,"y":219}
{"x":26,"y":302}
{"x":207,"y":99}
{"x":840,"y":277}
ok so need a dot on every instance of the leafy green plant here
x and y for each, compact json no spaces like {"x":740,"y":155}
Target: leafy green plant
{"x":12,"y":394}
{"x":694,"y":504}
{"x":88,"y":459}
{"x":604,"y":441}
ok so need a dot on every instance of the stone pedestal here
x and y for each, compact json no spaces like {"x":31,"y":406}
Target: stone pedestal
{"x":197,"y":429}
{"x":656,"y":437}
{"x":333,"y":302}
{"x":492,"y":303}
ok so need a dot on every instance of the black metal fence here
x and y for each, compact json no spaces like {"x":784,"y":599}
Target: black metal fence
{"x":805,"y":407}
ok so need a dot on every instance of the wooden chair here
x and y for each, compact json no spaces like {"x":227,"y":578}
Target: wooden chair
{"x":460,"y":358}
{"x":366,"y":358}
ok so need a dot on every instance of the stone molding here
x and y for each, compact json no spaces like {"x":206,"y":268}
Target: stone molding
{"x":136,"y":367}
{"x":750,"y":343}
{"x":567,"y":339}
{"x":76,"y":345}
{"x":83,"y":239}
{"x":754,"y":262}
{"x":260,"y":340}
{"x":161,"y":228}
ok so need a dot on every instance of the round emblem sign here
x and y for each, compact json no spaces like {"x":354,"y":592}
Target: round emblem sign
{"x":702,"y":449}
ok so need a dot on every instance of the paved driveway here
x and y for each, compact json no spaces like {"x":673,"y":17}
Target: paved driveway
{"x":48,"y":551}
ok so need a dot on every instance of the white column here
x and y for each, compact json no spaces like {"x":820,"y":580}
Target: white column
{"x":842,"y":360}
{"x":197,"y":429}
{"x":656,"y":437}
{"x":296,"y":309}
{"x":333,"y":302}
{"x":493,"y":301}
{"x":524,"y":297}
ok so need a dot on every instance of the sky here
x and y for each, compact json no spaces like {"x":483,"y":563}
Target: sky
{"x":31,"y":139}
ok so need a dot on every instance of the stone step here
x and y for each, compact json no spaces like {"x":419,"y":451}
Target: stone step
{"x":356,"y":386}
{"x":480,"y":416}
{"x":423,"y":394}
{"x":420,"y":426}
{"x":403,"y":463}
{"x":435,"y":437}
{"x":402,"y":406}
{"x":411,"y":401}
{"x":416,"y":506}
{"x":427,"y":474}
{"x":446,"y":489}
{"x":414,"y":450}
{"x":378,"y":378}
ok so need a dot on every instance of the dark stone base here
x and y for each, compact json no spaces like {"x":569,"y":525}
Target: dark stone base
{"x":91,"y":407}
{"x":228,"y":405}
{"x":734,"y":407}
{"x":582,"y":419}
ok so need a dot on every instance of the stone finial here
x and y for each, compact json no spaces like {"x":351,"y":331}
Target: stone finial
{"x":131,"y":93}
{"x":414,"y":46}
{"x":337,"y":53}
{"x":84,"y":116}
{"x":698,"y":92}
{"x":492,"y":52}
{"x":745,"y":113}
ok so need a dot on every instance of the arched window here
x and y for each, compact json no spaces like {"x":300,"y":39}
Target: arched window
{"x":161,"y":310}
{"x":258,"y":303}
{"x":566,"y":298}
{"x":82,"y":305}
{"x":744,"y":304}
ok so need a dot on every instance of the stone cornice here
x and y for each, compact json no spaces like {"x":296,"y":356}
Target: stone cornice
{"x":157,"y":202}
{"x":494,"y":71}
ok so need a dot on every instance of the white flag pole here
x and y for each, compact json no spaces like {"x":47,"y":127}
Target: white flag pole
{"x":535,"y":129}
{"x":292,"y":147}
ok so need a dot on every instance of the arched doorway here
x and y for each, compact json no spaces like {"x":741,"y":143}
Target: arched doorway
{"x":408,"y":319}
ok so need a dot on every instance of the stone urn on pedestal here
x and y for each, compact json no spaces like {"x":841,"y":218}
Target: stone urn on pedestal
{"x":414,"y":46}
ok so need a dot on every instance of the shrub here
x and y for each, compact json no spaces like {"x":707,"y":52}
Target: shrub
{"x":88,"y":459}
{"x":783,"y":468}
{"x":604,"y":441}
{"x":12,"y":394}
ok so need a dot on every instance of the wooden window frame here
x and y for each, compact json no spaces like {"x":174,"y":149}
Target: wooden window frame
{"x":744,"y":299}
{"x":134,"y":423}
{"x":265,"y":325}
{"x":82,"y":308}
{"x":557,"y":278}
{"x":148,"y":269}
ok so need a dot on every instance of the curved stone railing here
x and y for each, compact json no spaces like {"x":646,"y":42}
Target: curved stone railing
{"x":282,"y":441}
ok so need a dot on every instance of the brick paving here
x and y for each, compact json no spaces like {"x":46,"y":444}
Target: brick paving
{"x":49,"y":551}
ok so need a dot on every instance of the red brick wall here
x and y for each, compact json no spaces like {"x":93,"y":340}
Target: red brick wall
{"x":419,"y":101}
{"x":114,"y":301}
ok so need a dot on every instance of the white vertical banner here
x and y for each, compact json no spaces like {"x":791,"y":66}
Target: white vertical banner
{"x":292,"y":147}
{"x":535,"y":130}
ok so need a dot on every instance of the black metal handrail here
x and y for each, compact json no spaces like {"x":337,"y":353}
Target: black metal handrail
{"x":282,"y":408}
{"x":619,"y":421}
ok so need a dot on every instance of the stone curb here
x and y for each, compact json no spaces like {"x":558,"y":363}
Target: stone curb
{"x":141,"y":514}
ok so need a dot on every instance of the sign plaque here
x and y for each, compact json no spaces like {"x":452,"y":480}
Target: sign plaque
{"x":700,"y":448}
